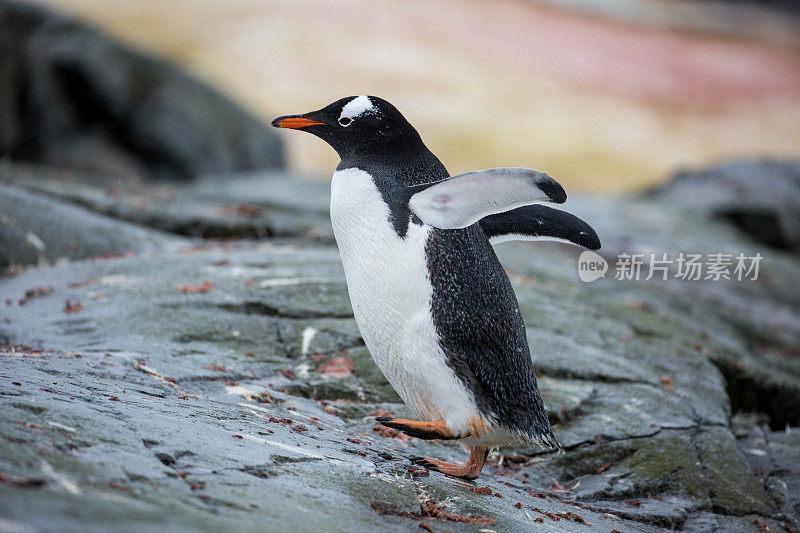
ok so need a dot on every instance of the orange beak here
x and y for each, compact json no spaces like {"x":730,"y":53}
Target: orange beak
{"x":295,"y":123}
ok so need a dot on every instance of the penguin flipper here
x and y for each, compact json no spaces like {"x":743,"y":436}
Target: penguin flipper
{"x":539,"y":222}
{"x":462,"y":200}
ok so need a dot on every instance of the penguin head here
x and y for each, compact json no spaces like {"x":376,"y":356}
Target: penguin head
{"x":356,"y":125}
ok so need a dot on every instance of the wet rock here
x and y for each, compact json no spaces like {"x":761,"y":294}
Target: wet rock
{"x":35,"y":230}
{"x":242,"y":206}
{"x":201,"y":403}
{"x":772,"y":455}
{"x":760,"y":197}
{"x":92,"y":104}
{"x":748,"y":329}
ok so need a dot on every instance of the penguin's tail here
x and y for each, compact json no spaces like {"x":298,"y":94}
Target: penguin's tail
{"x":546,"y":441}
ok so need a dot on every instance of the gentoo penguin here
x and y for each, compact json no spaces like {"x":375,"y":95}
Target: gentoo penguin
{"x":433,"y":304}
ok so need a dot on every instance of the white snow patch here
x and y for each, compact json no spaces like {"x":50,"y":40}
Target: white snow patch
{"x":357,"y":107}
{"x":35,"y":241}
{"x":241,"y":391}
{"x":302,"y":370}
{"x":308,"y":335}
{"x":288,"y":448}
{"x":62,"y":426}
{"x":69,"y":485}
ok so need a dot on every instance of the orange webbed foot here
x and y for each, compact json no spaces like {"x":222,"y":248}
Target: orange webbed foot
{"x":471,"y":470}
{"x":418,"y":429}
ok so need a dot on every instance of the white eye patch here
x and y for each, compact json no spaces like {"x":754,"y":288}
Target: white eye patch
{"x":356,"y":107}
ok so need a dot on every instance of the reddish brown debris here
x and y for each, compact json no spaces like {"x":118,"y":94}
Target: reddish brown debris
{"x":22,"y":481}
{"x":380,"y":412}
{"x":602,"y":468}
{"x":242,"y":210}
{"x":288,"y":374}
{"x":338,"y":367}
{"x":113,"y":398}
{"x":78,"y":284}
{"x":217,"y":368}
{"x":282,"y":421}
{"x":72,"y":308}
{"x":48,"y":389}
{"x":537,"y":494}
{"x":666,"y":383}
{"x":195,"y":289}
{"x":238,"y":437}
{"x":299,"y":428}
{"x":566,"y":515}
{"x":761,"y":525}
{"x":249,"y":354}
{"x":390,"y":433}
{"x":418,"y":472}
{"x":635,"y":503}
{"x":426,"y":527}
{"x":113,"y":255}
{"x":358,"y":441}
{"x":221,"y":262}
{"x":485,"y":491}
{"x":42,"y":290}
{"x":17,"y":383}
{"x":430,"y":509}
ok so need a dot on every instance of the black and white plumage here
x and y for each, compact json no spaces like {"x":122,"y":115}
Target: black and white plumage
{"x":434,"y":305}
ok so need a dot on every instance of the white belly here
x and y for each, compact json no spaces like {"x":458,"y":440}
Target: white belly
{"x":390,"y":291}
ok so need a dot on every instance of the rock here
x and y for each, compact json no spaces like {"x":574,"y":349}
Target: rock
{"x":772,"y":455}
{"x":179,"y":419}
{"x":35,"y":230}
{"x":194,"y":404}
{"x":760,"y":197}
{"x":266,"y":204}
{"x":92,"y":104}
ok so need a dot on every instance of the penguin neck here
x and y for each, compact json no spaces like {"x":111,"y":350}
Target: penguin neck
{"x":396,"y":164}
{"x":393,"y":171}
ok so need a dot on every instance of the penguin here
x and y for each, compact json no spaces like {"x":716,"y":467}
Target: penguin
{"x":433,"y":304}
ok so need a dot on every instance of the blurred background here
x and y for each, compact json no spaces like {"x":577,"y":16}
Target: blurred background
{"x":608,"y":95}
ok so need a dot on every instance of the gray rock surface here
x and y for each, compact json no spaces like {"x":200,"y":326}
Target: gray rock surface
{"x":37,"y":230}
{"x":260,"y":205}
{"x":228,"y":387}
{"x":760,"y":197}
{"x":72,"y":97}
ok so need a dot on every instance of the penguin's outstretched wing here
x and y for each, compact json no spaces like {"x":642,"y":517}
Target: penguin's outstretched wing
{"x":539,"y":222}
{"x":460,"y":201}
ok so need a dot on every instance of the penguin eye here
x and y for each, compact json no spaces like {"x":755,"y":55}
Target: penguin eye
{"x":344,"y":121}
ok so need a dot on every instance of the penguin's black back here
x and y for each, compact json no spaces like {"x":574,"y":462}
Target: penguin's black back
{"x":481,"y":330}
